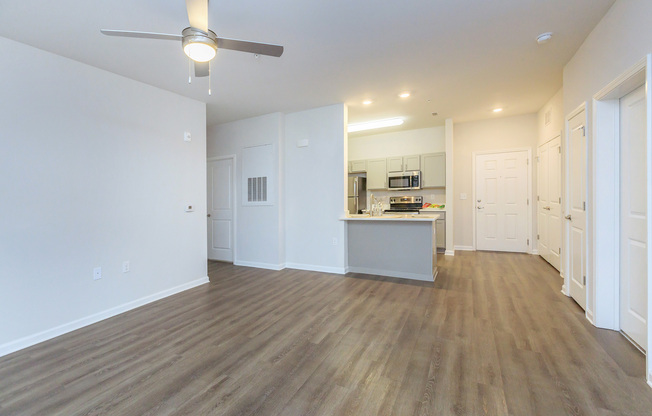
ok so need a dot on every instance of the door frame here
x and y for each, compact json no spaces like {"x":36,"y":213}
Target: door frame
{"x":606,"y":196}
{"x":529,"y":191}
{"x":235,"y":199}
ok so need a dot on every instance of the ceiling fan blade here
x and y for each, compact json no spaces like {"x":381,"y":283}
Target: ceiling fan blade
{"x":134,"y":34}
{"x":198,"y":14}
{"x":202,"y":69}
{"x":251,"y":47}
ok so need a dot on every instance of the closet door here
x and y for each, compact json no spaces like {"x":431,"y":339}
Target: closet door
{"x":549,"y":201}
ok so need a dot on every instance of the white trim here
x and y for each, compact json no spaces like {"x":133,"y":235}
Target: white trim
{"x":315,"y":268}
{"x":449,"y":253}
{"x":34,"y":339}
{"x":535,"y":252}
{"x":529,"y":189}
{"x":258,"y":265}
{"x":234,"y":237}
{"x":390,"y":273}
{"x":465,"y":248}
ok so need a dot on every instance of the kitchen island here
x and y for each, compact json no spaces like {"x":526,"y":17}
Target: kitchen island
{"x":393,"y":245}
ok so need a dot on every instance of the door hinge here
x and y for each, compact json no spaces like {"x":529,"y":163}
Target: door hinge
{"x":528,"y":201}
{"x":559,"y":250}
{"x":537,"y":236}
{"x":559,"y":148}
{"x":537,"y":197}
{"x":560,"y":200}
{"x":528,"y":161}
{"x":528,"y":241}
{"x":584,"y":205}
{"x":583,"y":280}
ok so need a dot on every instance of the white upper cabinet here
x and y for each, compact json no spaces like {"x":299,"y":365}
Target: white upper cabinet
{"x":433,"y":170}
{"x":357,"y":166}
{"x":403,"y":163}
{"x":395,"y":164}
{"x":412,"y":162}
{"x":377,"y":174}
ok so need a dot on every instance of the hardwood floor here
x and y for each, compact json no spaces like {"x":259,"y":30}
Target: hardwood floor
{"x":492,"y":336}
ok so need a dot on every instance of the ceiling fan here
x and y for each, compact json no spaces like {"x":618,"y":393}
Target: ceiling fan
{"x":199,"y":43}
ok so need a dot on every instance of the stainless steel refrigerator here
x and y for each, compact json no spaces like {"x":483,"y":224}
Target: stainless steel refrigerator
{"x":357,"y":194}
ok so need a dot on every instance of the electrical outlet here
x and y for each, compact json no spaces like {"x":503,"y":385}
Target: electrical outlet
{"x":334,"y":241}
{"x":97,"y":273}
{"x":125,"y":266}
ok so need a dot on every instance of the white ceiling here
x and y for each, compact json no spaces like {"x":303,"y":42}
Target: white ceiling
{"x":459,"y":58}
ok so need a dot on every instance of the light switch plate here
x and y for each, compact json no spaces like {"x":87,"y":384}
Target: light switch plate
{"x":462,"y":196}
{"x":97,"y":273}
{"x":187,"y":137}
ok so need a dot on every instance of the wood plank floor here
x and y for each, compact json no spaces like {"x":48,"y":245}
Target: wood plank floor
{"x":492,"y":336}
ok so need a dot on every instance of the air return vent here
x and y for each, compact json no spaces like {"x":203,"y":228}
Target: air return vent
{"x":257,"y":189}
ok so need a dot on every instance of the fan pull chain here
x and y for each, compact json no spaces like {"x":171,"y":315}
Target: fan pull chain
{"x":209,"y":77}
{"x":189,"y":71}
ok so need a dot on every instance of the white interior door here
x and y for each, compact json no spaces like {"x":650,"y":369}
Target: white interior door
{"x":220,"y":209}
{"x":549,"y":201}
{"x":502,"y":201}
{"x":576,"y":216}
{"x":633,"y":217}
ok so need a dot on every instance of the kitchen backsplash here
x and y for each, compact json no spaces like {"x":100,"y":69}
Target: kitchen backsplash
{"x":433,"y":196}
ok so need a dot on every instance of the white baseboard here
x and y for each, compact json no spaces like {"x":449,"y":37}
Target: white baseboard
{"x":258,"y":265}
{"x":649,"y":382}
{"x":535,"y":252}
{"x":314,"y":268}
{"x":34,"y":339}
{"x":390,"y":273}
{"x":464,"y":248}
{"x":449,"y":253}
{"x":589,"y":316}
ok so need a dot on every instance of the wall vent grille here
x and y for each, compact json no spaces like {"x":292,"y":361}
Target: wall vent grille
{"x":257,"y":189}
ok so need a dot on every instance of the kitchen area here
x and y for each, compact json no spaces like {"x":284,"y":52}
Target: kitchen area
{"x":396,"y":206}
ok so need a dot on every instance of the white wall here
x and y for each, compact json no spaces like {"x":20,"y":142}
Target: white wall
{"x":400,"y":143}
{"x":493,"y":134}
{"x":554,"y":106}
{"x":93,"y":171}
{"x":621,"y":39}
{"x":259,"y":229}
{"x":315,"y":177}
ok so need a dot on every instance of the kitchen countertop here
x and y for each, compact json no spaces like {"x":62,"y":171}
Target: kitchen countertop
{"x":392,"y":217}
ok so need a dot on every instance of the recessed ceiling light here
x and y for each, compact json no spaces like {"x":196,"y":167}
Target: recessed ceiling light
{"x":404,"y":94}
{"x":376,"y":124}
{"x":497,"y":110}
{"x":544,"y":37}
{"x":367,"y":102}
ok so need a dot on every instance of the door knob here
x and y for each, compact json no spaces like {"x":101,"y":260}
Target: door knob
{"x":546,"y":208}
{"x":479,"y":207}
{"x":568,"y":217}
{"x":208,"y":215}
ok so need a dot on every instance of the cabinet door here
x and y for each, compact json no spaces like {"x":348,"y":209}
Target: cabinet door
{"x":395,"y":164}
{"x":412,"y":162}
{"x":433,"y":170}
{"x":377,"y":174}
{"x":357,"y":166}
{"x":440,"y":227}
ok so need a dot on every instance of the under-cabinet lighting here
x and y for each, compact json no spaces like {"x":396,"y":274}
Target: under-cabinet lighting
{"x":376,"y":124}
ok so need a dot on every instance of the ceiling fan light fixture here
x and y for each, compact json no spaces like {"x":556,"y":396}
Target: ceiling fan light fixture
{"x":199,"y":45}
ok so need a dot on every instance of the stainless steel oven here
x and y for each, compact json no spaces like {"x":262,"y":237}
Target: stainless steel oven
{"x":398,"y":181}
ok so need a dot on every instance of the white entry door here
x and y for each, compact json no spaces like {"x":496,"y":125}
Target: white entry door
{"x":221,"y":200}
{"x":549,"y":201}
{"x":501,"y":192}
{"x":633,"y":217}
{"x":576,"y":215}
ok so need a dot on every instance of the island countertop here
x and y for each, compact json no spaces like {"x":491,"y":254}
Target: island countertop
{"x":391,"y":217}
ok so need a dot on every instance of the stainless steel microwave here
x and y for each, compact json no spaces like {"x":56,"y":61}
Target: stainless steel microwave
{"x":399,"y":181}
